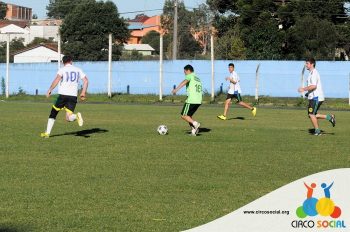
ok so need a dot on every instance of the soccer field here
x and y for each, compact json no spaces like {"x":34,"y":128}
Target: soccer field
{"x":117,"y":174}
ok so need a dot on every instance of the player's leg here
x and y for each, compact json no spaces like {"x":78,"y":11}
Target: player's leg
{"x":245,"y":105}
{"x":328,"y":117}
{"x":226,"y":107}
{"x":312,"y":111}
{"x":52,"y":117}
{"x":70,"y":107}
{"x":186,"y":114}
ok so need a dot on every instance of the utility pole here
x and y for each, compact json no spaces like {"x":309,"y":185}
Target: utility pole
{"x":175,"y":31}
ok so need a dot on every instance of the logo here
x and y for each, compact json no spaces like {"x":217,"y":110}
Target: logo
{"x":324,"y":206}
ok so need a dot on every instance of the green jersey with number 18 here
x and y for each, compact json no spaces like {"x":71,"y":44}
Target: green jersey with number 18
{"x":194,"y":89}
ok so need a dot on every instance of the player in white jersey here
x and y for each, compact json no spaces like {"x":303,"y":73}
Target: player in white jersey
{"x":234,"y":92}
{"x":67,"y":79}
{"x":314,"y":93}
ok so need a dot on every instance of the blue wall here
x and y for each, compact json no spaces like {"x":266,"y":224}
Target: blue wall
{"x":277,"y":78}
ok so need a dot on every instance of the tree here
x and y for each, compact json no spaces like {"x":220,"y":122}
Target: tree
{"x":312,"y":37}
{"x":35,"y":16}
{"x":133,"y":55}
{"x":230,"y":46}
{"x":85,"y":31}
{"x":15,"y":45}
{"x":291,"y":29}
{"x":202,"y":26}
{"x":188,"y":47}
{"x":3,"y":10}
{"x":38,"y":40}
{"x":58,"y":9}
{"x":152,"y":38}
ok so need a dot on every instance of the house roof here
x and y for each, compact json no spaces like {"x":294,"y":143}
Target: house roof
{"x":13,"y":29}
{"x":51,"y":46}
{"x":140,"y":18}
{"x":21,"y":24}
{"x":138,"y":47}
{"x":138,"y":26}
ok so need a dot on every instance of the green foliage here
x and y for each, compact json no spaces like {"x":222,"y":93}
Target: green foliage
{"x":312,"y":37}
{"x":152,"y":38}
{"x":20,"y":92}
{"x":290,"y":30}
{"x":38,"y":40}
{"x":15,"y":45}
{"x":85,"y":31}
{"x":187,"y":46}
{"x":58,"y":9}
{"x":133,"y":55}
{"x":230,"y":46}
{"x":3,"y":10}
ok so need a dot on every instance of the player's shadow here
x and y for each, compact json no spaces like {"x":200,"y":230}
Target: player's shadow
{"x":201,"y":130}
{"x":312,"y":132}
{"x":83,"y":133}
{"x":13,"y":229}
{"x":237,"y":118}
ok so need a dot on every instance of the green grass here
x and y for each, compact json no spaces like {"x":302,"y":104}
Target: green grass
{"x":264,"y":101}
{"x":117,"y":174}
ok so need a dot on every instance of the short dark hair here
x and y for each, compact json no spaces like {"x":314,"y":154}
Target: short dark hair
{"x":311,"y":60}
{"x":66,"y":59}
{"x":231,"y":64}
{"x":189,"y":67}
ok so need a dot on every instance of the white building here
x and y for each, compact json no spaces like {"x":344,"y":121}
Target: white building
{"x":29,"y":33}
{"x":144,"y":49}
{"x":41,"y":53}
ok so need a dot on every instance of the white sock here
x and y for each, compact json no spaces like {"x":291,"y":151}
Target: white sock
{"x":50,"y":123}
{"x":195,"y":123}
{"x":72,"y":117}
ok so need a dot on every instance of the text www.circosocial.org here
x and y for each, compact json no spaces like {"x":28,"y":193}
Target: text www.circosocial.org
{"x":272,"y":212}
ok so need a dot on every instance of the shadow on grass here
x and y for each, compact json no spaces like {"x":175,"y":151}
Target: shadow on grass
{"x":237,"y":118}
{"x":83,"y":133}
{"x":4,"y":228}
{"x":201,"y":130}
{"x":312,"y":132}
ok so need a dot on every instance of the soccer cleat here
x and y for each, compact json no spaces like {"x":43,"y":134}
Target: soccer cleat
{"x":44,"y":135}
{"x":317,"y":132}
{"x":254,"y":111}
{"x":80,"y":119}
{"x":196,"y":127}
{"x":332,"y":120}
{"x":193,"y":131}
{"x":222,"y":117}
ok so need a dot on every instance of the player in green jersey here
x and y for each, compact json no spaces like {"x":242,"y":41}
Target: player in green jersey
{"x":194,"y":97}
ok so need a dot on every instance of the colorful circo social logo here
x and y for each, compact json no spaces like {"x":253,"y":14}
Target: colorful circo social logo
{"x":323,"y":206}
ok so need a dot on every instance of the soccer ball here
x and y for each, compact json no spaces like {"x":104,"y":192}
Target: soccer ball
{"x":162,"y":130}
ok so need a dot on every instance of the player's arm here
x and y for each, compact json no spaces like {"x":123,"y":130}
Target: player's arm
{"x":309,"y":89}
{"x":53,"y":85}
{"x":85,"y":86}
{"x":182,"y":84}
{"x":231,"y":80}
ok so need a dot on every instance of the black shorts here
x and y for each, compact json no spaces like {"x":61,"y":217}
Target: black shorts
{"x":189,"y":109}
{"x":236,"y":95}
{"x":65,"y":102}
{"x":314,"y":105}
